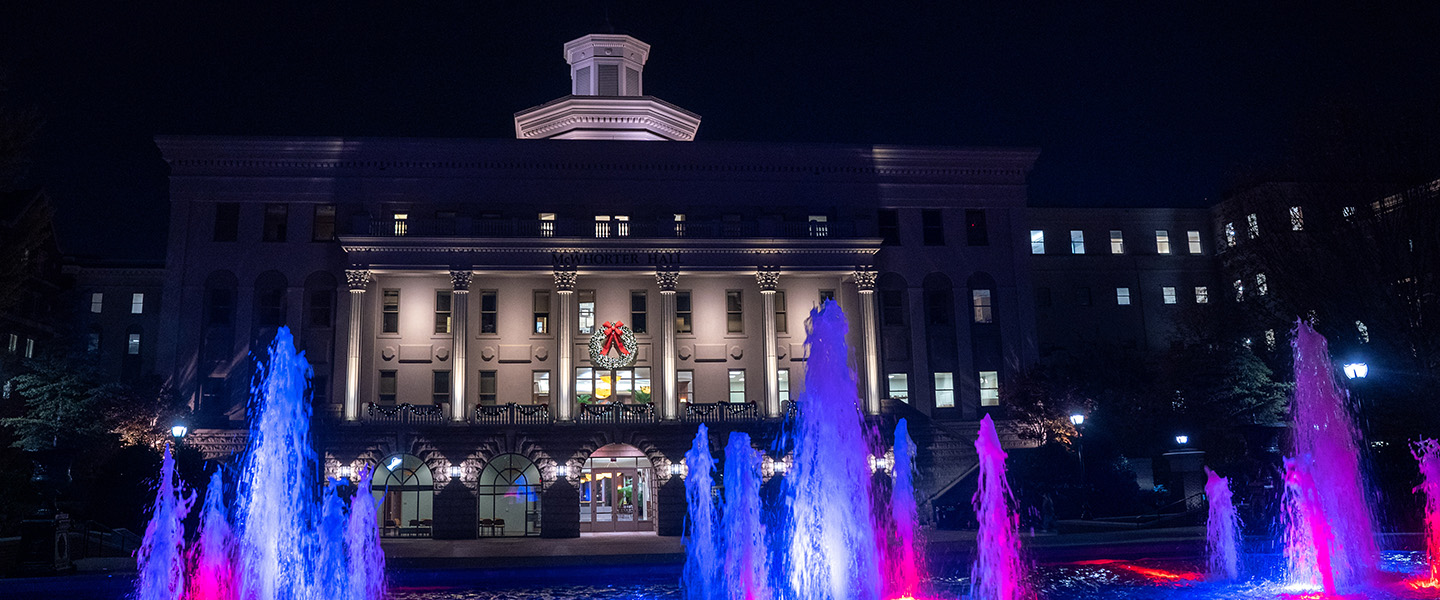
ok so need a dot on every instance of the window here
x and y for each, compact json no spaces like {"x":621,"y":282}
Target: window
{"x":899,"y":386}
{"x":1117,"y":242}
{"x":638,"y":314}
{"x":932,"y":228}
{"x":819,"y":225}
{"x":1202,"y":294}
{"x":1082,"y":296}
{"x":1363,"y":331}
{"x":401,"y":223}
{"x":488,"y":312}
{"x":827,"y":296}
{"x":443,"y":300}
{"x":1262,"y":286}
{"x":622,"y":226}
{"x":937,"y":306}
{"x":14,"y":345}
{"x":980,"y":300}
{"x":276,"y":216}
{"x":737,"y":386}
{"x":944,"y":390}
{"x":92,"y":341}
{"x":1347,"y":212}
{"x":1239,"y":290}
{"x":539,"y":387}
{"x":132,"y":345}
{"x":1042,"y":297}
{"x":1122,"y":296}
{"x":1252,"y":226}
{"x":1230,"y":234}
{"x":734,"y":312}
{"x":1193,"y":237}
{"x":323,"y":227}
{"x":989,"y":388}
{"x":782,"y":321}
{"x":227,"y":222}
{"x":97,"y":301}
{"x":975,"y":231}
{"x":602,"y":226}
{"x":1037,"y":241}
{"x":222,"y":306}
{"x":1169,"y":294}
{"x":540,"y":305}
{"x":387,"y":387}
{"x":390,"y":311}
{"x":137,"y":303}
{"x":320,"y":312}
{"x":683,"y":321}
{"x":440,"y":387}
{"x":684,"y":385}
{"x":1162,"y":241}
{"x":888,"y":222}
{"x":1077,"y":241}
{"x":892,"y":307}
{"x":585,"y":300}
{"x":547,"y":224}
{"x":30,"y":345}
{"x":679,"y":225}
{"x":1270,"y":340}
{"x":782,"y":384}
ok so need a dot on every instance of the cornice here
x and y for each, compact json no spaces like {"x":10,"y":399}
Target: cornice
{"x":607,"y":113}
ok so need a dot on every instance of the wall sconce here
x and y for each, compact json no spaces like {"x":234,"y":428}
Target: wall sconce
{"x":454,"y":471}
{"x":678,"y":469}
{"x":347,"y":472}
{"x":562,"y":471}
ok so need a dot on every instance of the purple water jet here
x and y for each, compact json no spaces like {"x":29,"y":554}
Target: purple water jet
{"x":1222,"y":527}
{"x":702,"y":554}
{"x":161,"y":558}
{"x":998,"y":573}
{"x":904,"y":572}
{"x":746,"y":564}
{"x":212,"y":556}
{"x":1427,"y":453}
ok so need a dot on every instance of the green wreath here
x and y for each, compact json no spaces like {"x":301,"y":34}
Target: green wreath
{"x":616,"y":335}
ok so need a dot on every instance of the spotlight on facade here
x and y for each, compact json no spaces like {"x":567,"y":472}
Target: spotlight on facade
{"x":179,"y":431}
{"x":1182,"y":439}
{"x":1356,"y":370}
{"x":1077,"y":419}
{"x":454,"y":472}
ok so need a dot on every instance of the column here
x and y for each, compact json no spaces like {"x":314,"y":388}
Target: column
{"x":669,"y":400}
{"x":564,"y":381}
{"x":865,"y":281}
{"x":459,"y":339}
{"x":357,"y":280}
{"x":769,"y":279}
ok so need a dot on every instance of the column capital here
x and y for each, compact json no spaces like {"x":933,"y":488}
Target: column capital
{"x":667,"y":280}
{"x":865,"y":279}
{"x":565,"y":280}
{"x":461,"y":280}
{"x":768,"y":278}
{"x":357,"y":279}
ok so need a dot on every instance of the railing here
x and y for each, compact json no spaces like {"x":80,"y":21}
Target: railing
{"x":512,"y":414}
{"x":720,"y":412}
{"x":531,"y":228}
{"x":616,"y":413}
{"x":539,"y":414}
{"x":406,"y":414}
{"x":89,"y":539}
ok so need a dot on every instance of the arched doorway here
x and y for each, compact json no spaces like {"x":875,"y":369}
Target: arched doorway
{"x":617,"y":490}
{"x":509,"y":497}
{"x":405,"y":492}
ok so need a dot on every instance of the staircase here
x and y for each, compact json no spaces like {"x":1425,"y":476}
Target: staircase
{"x":946,"y":449}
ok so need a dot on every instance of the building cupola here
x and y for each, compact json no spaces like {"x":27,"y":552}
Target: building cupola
{"x":607,"y":100}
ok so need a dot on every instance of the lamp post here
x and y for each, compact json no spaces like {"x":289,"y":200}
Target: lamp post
{"x":1078,"y":420}
{"x":178,"y":432}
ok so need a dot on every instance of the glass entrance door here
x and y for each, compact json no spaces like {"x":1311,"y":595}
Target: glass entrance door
{"x":616,"y":495}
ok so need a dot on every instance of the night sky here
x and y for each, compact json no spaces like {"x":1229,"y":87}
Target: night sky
{"x":1139,"y":104}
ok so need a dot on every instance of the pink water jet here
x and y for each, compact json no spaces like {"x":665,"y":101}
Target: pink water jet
{"x":161,"y":558}
{"x":904,"y":568}
{"x":1223,"y":528}
{"x":998,"y":573}
{"x":212,"y":556}
{"x":1427,"y":452}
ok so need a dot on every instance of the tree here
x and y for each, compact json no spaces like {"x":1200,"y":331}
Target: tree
{"x":1038,"y":405}
{"x":62,"y":409}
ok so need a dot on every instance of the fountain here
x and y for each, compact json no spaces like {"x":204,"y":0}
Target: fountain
{"x":747,"y":573}
{"x":1330,"y":542}
{"x":904,"y":572}
{"x":277,"y":544}
{"x":998,"y":573}
{"x":1427,"y":452}
{"x":702,"y":554}
{"x":1222,"y":528}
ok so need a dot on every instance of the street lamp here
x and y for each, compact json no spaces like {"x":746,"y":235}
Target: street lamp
{"x":1182,"y":439}
{"x":1077,"y":419}
{"x":178,"y":431}
{"x":1356,"y":370}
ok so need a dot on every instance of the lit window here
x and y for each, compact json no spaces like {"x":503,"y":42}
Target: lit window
{"x":540,"y":306}
{"x":1262,"y":287}
{"x":30,"y":346}
{"x":899,"y":386}
{"x":1117,"y":242}
{"x":622,"y":226}
{"x":1252,"y":226}
{"x":97,"y":300}
{"x":489,"y":311}
{"x":684,"y":323}
{"x":439,"y":387}
{"x":1297,"y":218}
{"x":1162,"y":241}
{"x":1239,"y":290}
{"x":1077,"y":241}
{"x":734,"y":312}
{"x":1230,"y":234}
{"x":547,"y":224}
{"x":585,"y":300}
{"x":137,"y":303}
{"x":944,"y":390}
{"x":679,"y":225}
{"x":489,"y":388}
{"x":585,"y":388}
{"x":14,"y":344}
{"x":390,"y":311}
{"x":989,"y":388}
{"x":1193,"y":237}
{"x":737,"y":385}
{"x":442,"y":311}
{"x":685,"y":385}
{"x":819,"y":226}
{"x":984,"y":311}
{"x":322,"y":227}
{"x":782,"y":384}
{"x":540,"y":387}
{"x":402,"y":223}
{"x":1347,"y":212}
{"x":1169,"y":294}
{"x":1202,"y":294}
{"x":1363,"y":331}
{"x":1122,"y":296}
{"x":602,"y":226}
{"x":1037,"y":241}
{"x":132,"y":344}
{"x":1270,"y":340}
{"x":387,"y":387}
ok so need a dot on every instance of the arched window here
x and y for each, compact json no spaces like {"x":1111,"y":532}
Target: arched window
{"x":509,"y":496}
{"x":405,"y":492}
{"x":270,"y":302}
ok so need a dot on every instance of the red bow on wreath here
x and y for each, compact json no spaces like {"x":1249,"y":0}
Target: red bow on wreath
{"x":612,"y":336}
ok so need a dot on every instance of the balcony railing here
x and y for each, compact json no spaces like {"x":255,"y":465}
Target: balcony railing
{"x":720,"y":412}
{"x":512,"y":414}
{"x":530,"y":228}
{"x":406,"y":414}
{"x":539,"y":414}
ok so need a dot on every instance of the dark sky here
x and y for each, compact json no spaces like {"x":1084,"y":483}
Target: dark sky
{"x":1135,"y":104}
